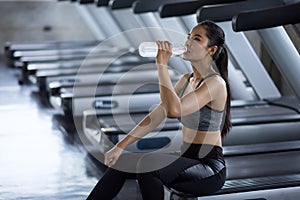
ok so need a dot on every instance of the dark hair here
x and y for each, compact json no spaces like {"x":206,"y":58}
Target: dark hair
{"x":216,"y":36}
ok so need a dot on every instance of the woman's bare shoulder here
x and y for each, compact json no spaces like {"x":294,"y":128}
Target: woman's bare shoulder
{"x":182,"y":80}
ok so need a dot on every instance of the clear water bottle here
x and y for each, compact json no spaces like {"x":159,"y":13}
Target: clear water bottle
{"x":149,"y":49}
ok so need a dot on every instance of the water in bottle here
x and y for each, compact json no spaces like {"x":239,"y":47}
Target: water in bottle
{"x":149,"y":49}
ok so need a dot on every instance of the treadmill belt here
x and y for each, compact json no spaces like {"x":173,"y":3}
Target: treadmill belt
{"x":263,"y":165}
{"x":260,"y":183}
{"x":260,"y":110}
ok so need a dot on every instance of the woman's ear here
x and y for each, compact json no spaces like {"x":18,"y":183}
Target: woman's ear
{"x":212,"y":50}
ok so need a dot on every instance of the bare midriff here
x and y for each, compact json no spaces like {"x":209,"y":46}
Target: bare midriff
{"x":202,"y":137}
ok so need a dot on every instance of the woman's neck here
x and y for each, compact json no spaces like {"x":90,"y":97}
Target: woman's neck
{"x":201,"y":70}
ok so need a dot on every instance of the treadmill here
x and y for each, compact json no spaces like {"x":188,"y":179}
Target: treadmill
{"x":74,"y":102}
{"x":58,"y":87}
{"x":128,"y":62}
{"x":58,"y":54}
{"x":13,"y":50}
{"x":23,"y":58}
{"x":70,"y":62}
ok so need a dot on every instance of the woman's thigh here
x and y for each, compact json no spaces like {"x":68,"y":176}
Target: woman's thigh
{"x":171,"y":169}
{"x":204,"y":186}
{"x":183,"y":173}
{"x":167,"y":167}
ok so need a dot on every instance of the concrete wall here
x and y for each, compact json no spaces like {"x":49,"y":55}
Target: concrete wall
{"x":40,"y":21}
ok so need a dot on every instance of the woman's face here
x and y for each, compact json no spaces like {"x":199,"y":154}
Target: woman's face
{"x":197,"y":45}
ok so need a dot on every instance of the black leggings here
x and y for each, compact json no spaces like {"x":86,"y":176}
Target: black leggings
{"x":202,"y":176}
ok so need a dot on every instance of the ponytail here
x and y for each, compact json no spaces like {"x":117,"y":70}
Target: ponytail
{"x":216,"y":37}
{"x":221,"y":60}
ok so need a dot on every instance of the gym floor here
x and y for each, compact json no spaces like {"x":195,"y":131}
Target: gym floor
{"x":37,"y":159}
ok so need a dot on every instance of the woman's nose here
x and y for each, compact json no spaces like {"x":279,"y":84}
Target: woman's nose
{"x":187,"y":42}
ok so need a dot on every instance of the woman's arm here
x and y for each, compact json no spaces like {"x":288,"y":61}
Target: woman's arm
{"x":174,"y":105}
{"x":149,"y":123}
{"x":168,"y":95}
{"x":152,"y":120}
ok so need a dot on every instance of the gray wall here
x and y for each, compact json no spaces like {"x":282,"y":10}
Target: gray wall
{"x":40,"y":21}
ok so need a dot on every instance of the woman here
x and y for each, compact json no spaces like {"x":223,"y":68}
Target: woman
{"x":201,"y":101}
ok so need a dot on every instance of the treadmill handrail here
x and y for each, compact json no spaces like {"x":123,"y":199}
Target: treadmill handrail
{"x":85,"y":1}
{"x":15,"y":46}
{"x":261,"y":148}
{"x":225,"y":12}
{"x":142,"y":6}
{"x":79,"y":51}
{"x":187,"y":7}
{"x":265,"y":119}
{"x":103,"y":3}
{"x":266,"y":18}
{"x":121,"y":4}
{"x":105,"y":90}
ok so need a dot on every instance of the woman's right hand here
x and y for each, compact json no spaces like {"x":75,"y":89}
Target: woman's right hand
{"x":164,"y":52}
{"x":111,"y":157}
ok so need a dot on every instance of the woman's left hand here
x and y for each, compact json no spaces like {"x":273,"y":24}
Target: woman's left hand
{"x":111,"y":157}
{"x":164,"y":52}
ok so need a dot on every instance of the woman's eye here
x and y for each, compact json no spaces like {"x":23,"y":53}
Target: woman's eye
{"x":194,"y":38}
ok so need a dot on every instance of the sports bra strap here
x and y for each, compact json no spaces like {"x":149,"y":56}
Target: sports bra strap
{"x":206,"y":77}
{"x":188,"y":80}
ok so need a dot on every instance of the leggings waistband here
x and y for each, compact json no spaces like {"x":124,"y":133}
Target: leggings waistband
{"x":201,"y":151}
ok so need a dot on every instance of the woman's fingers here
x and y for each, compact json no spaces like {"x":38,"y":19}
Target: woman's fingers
{"x":106,"y":160}
{"x":158,"y":43}
{"x":164,"y":45}
{"x":112,"y":156}
{"x":164,"y":52}
{"x":109,"y":161}
{"x":168,"y":45}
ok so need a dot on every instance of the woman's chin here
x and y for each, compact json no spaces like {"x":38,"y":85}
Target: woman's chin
{"x":185,"y":57}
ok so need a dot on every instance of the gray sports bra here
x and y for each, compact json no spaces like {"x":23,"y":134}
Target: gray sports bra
{"x":205,"y":119}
